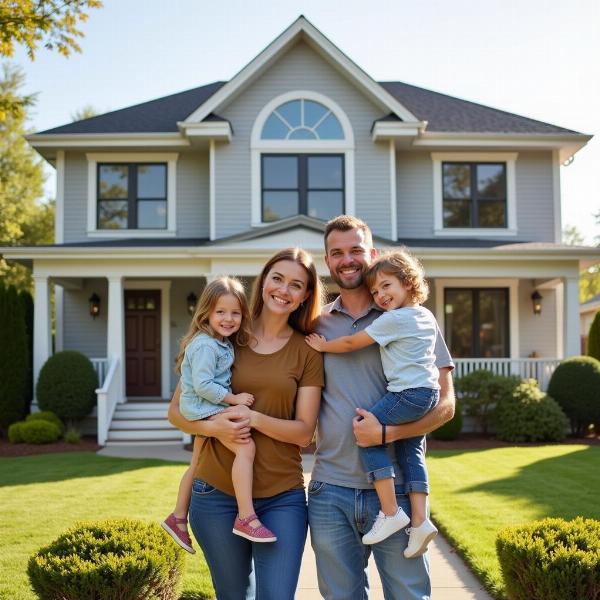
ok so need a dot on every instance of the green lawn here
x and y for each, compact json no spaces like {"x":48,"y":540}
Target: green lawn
{"x":41,"y":496}
{"x":476,"y":493}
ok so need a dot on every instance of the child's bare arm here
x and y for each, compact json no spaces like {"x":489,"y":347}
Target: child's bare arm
{"x":346,"y":343}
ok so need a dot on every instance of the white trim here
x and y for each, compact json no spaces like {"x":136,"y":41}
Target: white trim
{"x":383,"y":130}
{"x":509,"y":158}
{"x":560,"y":319}
{"x":214,"y":130}
{"x":556,"y":196}
{"x":393,"y":198}
{"x":165,"y":321}
{"x":571,"y":323}
{"x":59,"y":216}
{"x":132,"y":157}
{"x":320,"y":43}
{"x":42,"y":336}
{"x":115,"y":330}
{"x":259,"y":146}
{"x":104,"y":140}
{"x":59,"y":309}
{"x":513,"y":303}
{"x":212,"y":207}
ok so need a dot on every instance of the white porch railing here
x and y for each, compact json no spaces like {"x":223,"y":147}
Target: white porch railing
{"x":540,"y":369}
{"x":108,"y":396}
{"x":101,"y":367}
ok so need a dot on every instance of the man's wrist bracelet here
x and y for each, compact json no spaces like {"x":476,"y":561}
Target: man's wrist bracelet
{"x":383,"y":434}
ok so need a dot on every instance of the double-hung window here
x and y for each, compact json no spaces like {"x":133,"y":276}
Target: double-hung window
{"x":307,"y":184}
{"x":131,"y":196}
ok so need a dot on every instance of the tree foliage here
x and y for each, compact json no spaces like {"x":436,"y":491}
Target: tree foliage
{"x":589,"y":280}
{"x":24,"y":218}
{"x":593,"y":348}
{"x":85,"y":112}
{"x":53,"y":23}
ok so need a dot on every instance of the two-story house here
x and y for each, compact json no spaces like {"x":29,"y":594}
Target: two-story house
{"x":156,"y":199}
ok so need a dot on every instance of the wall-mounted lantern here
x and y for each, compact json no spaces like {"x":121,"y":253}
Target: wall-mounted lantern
{"x":192,"y":300}
{"x":94,"y":301}
{"x":536,"y":299}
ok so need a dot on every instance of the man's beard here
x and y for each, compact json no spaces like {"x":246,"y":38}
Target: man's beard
{"x":347,"y":285}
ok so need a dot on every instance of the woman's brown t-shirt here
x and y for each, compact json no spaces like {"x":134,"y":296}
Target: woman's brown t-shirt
{"x":273,"y":380}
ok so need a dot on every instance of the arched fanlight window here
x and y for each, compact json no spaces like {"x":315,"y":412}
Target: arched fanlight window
{"x":302,"y":120}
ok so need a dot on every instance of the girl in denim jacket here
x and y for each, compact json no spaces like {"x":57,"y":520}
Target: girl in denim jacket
{"x":204,"y":363}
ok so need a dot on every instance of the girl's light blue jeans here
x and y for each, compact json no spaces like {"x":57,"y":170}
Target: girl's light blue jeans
{"x":396,"y":408}
{"x":240,"y":569}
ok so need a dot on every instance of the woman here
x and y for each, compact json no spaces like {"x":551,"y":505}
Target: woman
{"x":285,"y":377}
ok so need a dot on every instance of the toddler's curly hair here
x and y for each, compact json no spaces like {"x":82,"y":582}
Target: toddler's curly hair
{"x":406,"y":268}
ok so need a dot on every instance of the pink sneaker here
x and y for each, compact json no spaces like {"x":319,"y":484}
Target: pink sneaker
{"x":181,"y":537}
{"x":243,"y":528}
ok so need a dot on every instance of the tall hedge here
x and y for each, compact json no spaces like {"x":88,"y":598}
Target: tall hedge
{"x":593,"y":348}
{"x":575,"y":385}
{"x":14,"y":358}
{"x":27,"y":303}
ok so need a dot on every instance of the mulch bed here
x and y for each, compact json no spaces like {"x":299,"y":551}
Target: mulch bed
{"x":8,"y":450}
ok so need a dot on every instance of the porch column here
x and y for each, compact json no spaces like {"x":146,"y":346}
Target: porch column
{"x":571,"y":339}
{"x":115,"y":339}
{"x":42,"y":333}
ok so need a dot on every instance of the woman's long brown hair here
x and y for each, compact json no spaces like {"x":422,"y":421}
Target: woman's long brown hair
{"x":304,"y":318}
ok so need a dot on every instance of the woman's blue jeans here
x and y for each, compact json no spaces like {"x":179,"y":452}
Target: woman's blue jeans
{"x":240,"y":569}
{"x":396,"y":408}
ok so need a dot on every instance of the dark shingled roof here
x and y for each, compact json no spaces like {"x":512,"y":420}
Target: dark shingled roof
{"x":443,"y":113}
{"x":446,"y":113}
{"x":157,"y":116}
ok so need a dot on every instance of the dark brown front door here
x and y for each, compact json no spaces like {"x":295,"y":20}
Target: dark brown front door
{"x":142,"y":342}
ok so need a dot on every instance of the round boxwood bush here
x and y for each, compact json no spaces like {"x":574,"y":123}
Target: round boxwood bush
{"x":452,"y":428}
{"x":48,"y":416}
{"x":40,"y":432}
{"x":72,"y":436}
{"x":67,"y":386}
{"x":529,"y":415}
{"x":575,"y":385}
{"x":107,"y":560}
{"x":551,"y":559}
{"x":15,"y":433}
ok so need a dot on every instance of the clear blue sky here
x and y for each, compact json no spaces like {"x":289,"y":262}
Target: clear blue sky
{"x":538,"y":58}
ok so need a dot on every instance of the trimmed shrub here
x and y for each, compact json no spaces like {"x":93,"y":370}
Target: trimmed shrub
{"x":105,"y":560}
{"x":39,"y":432}
{"x":452,"y":428}
{"x":49,"y":416}
{"x":575,"y":385}
{"x":593,"y":344}
{"x":15,"y":433}
{"x":13,"y":358}
{"x":551,"y":559}
{"x":529,"y":415}
{"x":67,"y":386}
{"x":72,"y":436}
{"x":480,"y":393}
{"x":27,"y":303}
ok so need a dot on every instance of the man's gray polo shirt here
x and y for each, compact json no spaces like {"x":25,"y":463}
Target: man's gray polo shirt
{"x":352,"y":380}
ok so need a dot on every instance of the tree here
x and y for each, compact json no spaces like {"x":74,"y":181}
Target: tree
{"x":593,"y":348}
{"x":54,"y":23}
{"x":24,"y":218}
{"x":85,"y":112}
{"x":572,"y":236}
{"x":589,"y":280}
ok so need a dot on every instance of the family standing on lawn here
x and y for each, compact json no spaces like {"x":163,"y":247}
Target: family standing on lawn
{"x":254,"y":386}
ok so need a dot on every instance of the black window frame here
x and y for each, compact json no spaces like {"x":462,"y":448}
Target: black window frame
{"x":475,"y":342}
{"x":302,"y":188}
{"x":132,"y":199}
{"x":474,"y":198}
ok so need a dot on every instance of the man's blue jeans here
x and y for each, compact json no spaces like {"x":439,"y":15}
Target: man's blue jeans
{"x":240,"y":569}
{"x":396,"y":408}
{"x":338,"y":518}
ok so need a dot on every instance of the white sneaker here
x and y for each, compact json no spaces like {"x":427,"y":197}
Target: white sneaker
{"x":419,"y":538}
{"x":384,"y":526}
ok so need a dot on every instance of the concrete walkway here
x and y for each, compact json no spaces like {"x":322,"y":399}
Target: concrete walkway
{"x":450,"y":578}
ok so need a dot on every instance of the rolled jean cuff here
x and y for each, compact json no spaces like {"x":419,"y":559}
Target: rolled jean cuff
{"x":416,"y":486}
{"x":383,"y":473}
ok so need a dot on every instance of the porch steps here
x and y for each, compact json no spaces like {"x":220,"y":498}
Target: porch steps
{"x":142,"y":422}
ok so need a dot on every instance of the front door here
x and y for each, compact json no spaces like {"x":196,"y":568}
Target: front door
{"x":142,"y":342}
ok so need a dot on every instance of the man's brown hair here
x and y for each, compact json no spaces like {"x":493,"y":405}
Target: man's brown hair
{"x":347,"y":223}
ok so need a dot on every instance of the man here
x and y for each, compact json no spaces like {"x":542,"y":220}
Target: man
{"x":342,"y":505}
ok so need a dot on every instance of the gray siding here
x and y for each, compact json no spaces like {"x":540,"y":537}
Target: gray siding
{"x":535,"y":216}
{"x":192,"y":219}
{"x":537,"y":333}
{"x":76,"y":189}
{"x":300,"y":69}
{"x":82,"y":332}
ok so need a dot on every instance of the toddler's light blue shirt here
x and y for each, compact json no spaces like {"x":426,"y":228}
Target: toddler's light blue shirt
{"x":205,"y":377}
